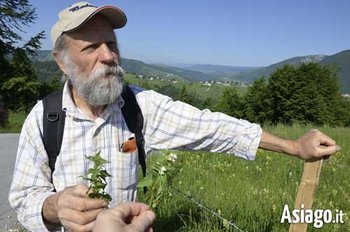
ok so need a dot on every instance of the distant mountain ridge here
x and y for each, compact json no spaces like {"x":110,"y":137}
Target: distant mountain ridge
{"x":341,"y":60}
{"x":218,"y":69}
{"x":266,"y":71}
{"x":206,"y":72}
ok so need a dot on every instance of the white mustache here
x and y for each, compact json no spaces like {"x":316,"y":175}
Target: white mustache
{"x":107,"y":70}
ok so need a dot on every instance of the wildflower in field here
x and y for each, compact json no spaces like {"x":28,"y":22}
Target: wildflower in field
{"x":265,"y":190}
{"x":162,"y":170}
{"x":226,"y":223}
{"x":334,"y":192}
{"x":159,"y":177}
{"x":171,"y":157}
{"x":274,"y":208}
{"x":258,"y":168}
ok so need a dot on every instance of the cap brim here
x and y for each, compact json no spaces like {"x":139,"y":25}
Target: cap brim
{"x":115,"y":15}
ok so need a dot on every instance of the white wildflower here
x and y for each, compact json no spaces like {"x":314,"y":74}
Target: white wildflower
{"x":162,"y":170}
{"x":226,"y":223}
{"x":171,"y":157}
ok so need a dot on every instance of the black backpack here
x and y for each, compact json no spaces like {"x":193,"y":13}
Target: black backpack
{"x":54,"y":118}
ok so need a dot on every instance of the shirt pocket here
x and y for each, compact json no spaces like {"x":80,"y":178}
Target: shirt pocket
{"x":127,"y":171}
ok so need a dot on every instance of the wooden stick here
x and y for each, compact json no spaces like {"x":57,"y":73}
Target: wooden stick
{"x":306,"y":191}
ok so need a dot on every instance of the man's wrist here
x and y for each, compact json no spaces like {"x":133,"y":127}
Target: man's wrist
{"x":278,"y":144}
{"x":50,"y":210}
{"x":291,"y":147}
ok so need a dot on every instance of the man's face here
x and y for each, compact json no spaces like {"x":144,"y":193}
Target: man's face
{"x":93,"y":61}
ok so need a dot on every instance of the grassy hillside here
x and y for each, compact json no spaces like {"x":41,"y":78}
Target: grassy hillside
{"x":140,"y":68}
{"x":252,"y":194}
{"x":199,"y":89}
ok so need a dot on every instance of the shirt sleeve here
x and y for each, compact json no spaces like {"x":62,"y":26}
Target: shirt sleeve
{"x":176,"y":125}
{"x":31,"y":183}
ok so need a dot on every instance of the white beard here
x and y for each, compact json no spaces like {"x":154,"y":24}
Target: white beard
{"x":101,"y":87}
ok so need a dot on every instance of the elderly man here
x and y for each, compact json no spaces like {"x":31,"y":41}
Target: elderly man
{"x":85,"y":48}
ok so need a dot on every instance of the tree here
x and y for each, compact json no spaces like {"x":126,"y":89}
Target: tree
{"x":256,"y":102}
{"x":17,"y":75}
{"x":22,"y":66}
{"x":14,"y":15}
{"x":24,"y":91}
{"x":169,"y":90}
{"x":230,"y":103}
{"x":305,"y":94}
{"x":208,"y":103}
{"x":189,"y":97}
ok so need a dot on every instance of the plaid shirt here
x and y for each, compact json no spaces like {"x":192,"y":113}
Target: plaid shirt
{"x":167,"y":125}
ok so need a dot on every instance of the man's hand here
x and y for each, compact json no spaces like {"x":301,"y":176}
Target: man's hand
{"x":315,"y":145}
{"x":312,"y":145}
{"x":73,"y":209}
{"x":126,"y":217}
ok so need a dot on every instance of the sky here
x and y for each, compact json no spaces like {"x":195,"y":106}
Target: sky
{"x":223,"y":32}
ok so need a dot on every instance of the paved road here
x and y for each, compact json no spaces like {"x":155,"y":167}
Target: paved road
{"x":8,"y":148}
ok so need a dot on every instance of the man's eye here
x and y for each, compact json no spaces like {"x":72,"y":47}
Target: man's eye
{"x":112,"y":46}
{"x":91,"y":48}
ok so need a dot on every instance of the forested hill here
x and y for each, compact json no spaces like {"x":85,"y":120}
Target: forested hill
{"x":340,"y":60}
{"x":194,"y":73}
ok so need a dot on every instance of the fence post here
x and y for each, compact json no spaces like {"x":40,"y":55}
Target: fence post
{"x":306,"y":191}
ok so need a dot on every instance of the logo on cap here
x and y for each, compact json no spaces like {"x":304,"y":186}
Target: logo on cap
{"x":76,"y":8}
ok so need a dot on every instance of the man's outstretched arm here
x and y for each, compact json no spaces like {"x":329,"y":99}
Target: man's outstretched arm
{"x":312,"y":145}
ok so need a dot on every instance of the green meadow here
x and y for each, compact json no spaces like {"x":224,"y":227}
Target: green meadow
{"x":202,"y":91}
{"x":252,"y":194}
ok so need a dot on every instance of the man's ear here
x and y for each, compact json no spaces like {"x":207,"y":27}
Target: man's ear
{"x":60,"y":63}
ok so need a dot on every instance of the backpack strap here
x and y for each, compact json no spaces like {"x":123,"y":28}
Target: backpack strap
{"x":53,"y":126}
{"x":133,"y":117}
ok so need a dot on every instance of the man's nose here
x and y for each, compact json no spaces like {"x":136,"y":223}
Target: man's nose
{"x":107,"y":56}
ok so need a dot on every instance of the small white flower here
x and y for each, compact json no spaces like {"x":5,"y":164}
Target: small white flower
{"x":171,"y":157}
{"x":225,"y":223}
{"x":162,"y":170}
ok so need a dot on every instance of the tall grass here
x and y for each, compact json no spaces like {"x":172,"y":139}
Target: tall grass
{"x":252,"y":194}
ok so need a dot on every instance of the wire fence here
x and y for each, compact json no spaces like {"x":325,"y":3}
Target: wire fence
{"x":225,"y":221}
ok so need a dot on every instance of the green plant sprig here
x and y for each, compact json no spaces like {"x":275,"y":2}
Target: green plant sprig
{"x":159,"y":178}
{"x":97,"y":178}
